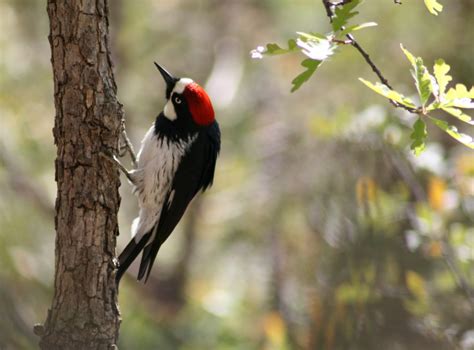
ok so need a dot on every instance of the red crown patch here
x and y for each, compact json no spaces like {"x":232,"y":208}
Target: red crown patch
{"x":199,"y":104}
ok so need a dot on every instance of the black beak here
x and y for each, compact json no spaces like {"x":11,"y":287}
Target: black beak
{"x":169,"y":79}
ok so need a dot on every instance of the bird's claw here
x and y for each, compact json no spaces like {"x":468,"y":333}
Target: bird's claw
{"x":113,"y":158}
{"x":122,"y":150}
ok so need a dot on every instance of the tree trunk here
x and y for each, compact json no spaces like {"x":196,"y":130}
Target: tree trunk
{"x":84,"y":312}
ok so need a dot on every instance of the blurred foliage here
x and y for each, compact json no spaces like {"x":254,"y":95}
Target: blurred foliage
{"x":322,"y":231}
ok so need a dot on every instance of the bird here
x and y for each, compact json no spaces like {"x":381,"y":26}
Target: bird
{"x":176,"y":161}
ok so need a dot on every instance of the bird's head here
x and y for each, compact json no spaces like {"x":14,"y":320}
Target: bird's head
{"x":186,"y":99}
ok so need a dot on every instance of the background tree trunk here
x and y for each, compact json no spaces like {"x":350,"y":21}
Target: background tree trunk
{"x":84,"y":312}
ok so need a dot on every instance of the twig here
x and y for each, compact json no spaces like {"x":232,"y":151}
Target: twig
{"x":329,"y":6}
{"x":378,"y":73}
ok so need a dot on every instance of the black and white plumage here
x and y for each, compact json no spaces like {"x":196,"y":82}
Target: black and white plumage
{"x":176,"y":160}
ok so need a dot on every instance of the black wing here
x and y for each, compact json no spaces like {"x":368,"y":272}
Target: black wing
{"x":195,"y":172}
{"x":214,"y":147}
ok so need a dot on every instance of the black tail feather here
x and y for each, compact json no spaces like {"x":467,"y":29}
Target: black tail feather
{"x":148,"y":258}
{"x":128,"y":255}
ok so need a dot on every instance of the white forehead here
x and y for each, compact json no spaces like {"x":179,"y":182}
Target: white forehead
{"x":181,"y":85}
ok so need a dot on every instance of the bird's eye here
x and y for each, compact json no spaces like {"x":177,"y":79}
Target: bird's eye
{"x":177,"y":99}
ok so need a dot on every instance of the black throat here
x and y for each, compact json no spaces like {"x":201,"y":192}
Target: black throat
{"x":176,"y":130}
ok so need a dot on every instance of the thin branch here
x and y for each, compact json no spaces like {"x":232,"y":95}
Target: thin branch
{"x":329,"y":6}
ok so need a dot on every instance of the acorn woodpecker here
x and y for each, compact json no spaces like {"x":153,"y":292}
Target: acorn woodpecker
{"x":176,"y":160}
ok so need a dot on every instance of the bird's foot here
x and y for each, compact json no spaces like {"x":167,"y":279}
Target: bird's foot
{"x":125,"y":146}
{"x":113,"y":159}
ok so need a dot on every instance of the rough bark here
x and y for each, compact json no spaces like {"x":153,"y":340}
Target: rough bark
{"x":84,"y":312}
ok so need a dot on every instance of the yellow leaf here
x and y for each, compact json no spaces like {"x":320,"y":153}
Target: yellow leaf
{"x":441,"y":70}
{"x":366,"y":190}
{"x":436,"y":191}
{"x":459,"y":91}
{"x":434,"y":6}
{"x":385,"y":91}
{"x":416,"y":284}
{"x":274,"y":328}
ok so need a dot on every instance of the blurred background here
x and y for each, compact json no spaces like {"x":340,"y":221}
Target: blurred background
{"x":322,"y":230}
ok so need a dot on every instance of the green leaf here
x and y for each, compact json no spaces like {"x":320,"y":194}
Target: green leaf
{"x":453,"y":132}
{"x":441,"y":70}
{"x":385,"y":91}
{"x":292,"y":45}
{"x":311,"y":66}
{"x":433,"y":6}
{"x":418,"y":136}
{"x":273,"y":49}
{"x":343,"y":13}
{"x":423,"y":79}
{"x":459,"y":114}
{"x":355,"y":27}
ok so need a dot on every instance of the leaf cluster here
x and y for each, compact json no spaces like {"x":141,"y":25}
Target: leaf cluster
{"x":317,"y":47}
{"x":433,"y":96}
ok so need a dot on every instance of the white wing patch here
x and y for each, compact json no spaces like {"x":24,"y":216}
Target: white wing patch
{"x":158,"y":160}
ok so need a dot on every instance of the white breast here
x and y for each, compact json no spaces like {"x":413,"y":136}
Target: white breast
{"x":158,"y":160}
